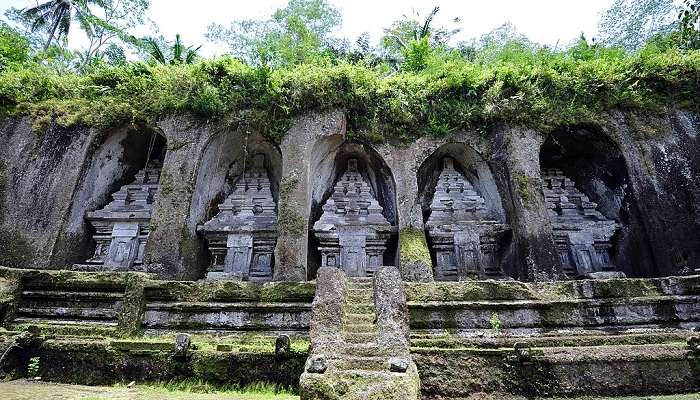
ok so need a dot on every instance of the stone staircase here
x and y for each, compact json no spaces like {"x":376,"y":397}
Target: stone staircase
{"x":352,"y":363}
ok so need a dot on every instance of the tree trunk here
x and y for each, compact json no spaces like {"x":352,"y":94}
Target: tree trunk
{"x":53,"y":28}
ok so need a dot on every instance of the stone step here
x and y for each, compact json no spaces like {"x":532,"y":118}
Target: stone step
{"x":362,"y":318}
{"x":359,"y":308}
{"x":361,"y":279}
{"x":362,"y":349}
{"x":68,"y":313}
{"x":352,"y":363}
{"x":359,"y":328}
{"x":62,"y":322}
{"x":360,"y":337}
{"x":66,"y":295}
{"x":363,"y":292}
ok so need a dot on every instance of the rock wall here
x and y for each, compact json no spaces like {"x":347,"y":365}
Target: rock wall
{"x":49,"y":179}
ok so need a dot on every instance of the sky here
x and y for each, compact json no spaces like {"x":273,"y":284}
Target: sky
{"x":544,"y":21}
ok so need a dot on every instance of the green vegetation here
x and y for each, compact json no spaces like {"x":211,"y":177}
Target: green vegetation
{"x":413,"y":247}
{"x":414,"y":84}
{"x":33,"y":367}
{"x":534,"y":88}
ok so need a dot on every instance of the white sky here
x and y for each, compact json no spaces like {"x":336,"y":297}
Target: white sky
{"x":544,"y":21}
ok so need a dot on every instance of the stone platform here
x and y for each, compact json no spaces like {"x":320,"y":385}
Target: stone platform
{"x":368,"y":336}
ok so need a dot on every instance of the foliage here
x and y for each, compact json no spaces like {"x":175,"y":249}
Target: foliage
{"x":410,"y":42}
{"x":177,"y":53}
{"x":13,"y":47}
{"x":495,"y":323}
{"x":296,"y":34}
{"x":55,"y":17}
{"x":689,"y":25}
{"x":529,"y":86}
{"x":632,"y":23}
{"x":33,"y":367}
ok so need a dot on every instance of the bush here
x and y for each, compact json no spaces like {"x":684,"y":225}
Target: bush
{"x":523,"y":85}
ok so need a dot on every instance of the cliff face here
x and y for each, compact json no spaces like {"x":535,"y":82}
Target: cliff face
{"x":642,"y":172}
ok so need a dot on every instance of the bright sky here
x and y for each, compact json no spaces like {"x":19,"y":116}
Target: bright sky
{"x":544,"y":21}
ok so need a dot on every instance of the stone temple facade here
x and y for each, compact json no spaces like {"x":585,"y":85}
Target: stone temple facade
{"x":122,"y":226}
{"x":464,"y":238}
{"x":352,"y":231}
{"x":581,"y":232}
{"x":242,"y":236}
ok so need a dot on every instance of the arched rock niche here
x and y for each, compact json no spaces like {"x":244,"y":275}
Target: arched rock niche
{"x":222,"y":163}
{"x":469,"y":163}
{"x":597,"y":167}
{"x":113,"y":164}
{"x":329,"y":161}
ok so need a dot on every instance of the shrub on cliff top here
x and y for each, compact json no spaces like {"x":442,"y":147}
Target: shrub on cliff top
{"x":536,"y":88}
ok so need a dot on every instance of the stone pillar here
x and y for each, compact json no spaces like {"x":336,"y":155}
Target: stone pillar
{"x":294,"y":198}
{"x":171,"y":240}
{"x":519,"y":165}
{"x":414,"y":257}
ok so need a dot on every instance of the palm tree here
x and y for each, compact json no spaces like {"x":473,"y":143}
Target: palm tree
{"x":415,"y":28}
{"x":180,"y":53}
{"x":57,"y":15}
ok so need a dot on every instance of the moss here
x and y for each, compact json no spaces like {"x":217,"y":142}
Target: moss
{"x":290,"y":221}
{"x":525,"y":187}
{"x":203,"y":291}
{"x":413,"y":247}
{"x":132,"y":306}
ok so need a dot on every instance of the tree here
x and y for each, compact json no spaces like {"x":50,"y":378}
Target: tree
{"x":689,"y":25}
{"x":56,"y":16}
{"x":411,"y":40}
{"x":13,"y":47}
{"x":631,"y":23}
{"x":295,"y":34}
{"x":177,"y":53}
{"x":109,"y":24}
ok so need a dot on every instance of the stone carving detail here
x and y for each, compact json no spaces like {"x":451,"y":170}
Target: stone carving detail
{"x":242,"y":236}
{"x":352,"y":231}
{"x":122,"y":226}
{"x":464,"y":238}
{"x":581,"y":232}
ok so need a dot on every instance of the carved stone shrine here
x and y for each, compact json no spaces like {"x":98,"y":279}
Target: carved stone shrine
{"x":464,"y":238}
{"x":581,"y":232}
{"x":352,"y":231}
{"x":122,"y":226}
{"x":242,"y":236}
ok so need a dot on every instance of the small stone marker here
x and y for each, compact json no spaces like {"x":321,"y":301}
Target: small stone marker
{"x":282,"y":346}
{"x":398,"y":364}
{"x":182,"y":345}
{"x":317,"y":365}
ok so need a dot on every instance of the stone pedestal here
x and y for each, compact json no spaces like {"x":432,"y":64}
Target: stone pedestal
{"x":581,"y":232}
{"x":464,"y":239}
{"x":122,"y":227}
{"x":352,"y":231}
{"x":242,"y":235}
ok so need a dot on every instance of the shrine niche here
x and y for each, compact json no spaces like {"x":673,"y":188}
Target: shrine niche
{"x":352,"y":232}
{"x":581,"y":232}
{"x":233,"y":215}
{"x":120,"y":228}
{"x":464,"y":220}
{"x":242,"y":236}
{"x":464,"y":238}
{"x":593,"y":211}
{"x":353,"y":221}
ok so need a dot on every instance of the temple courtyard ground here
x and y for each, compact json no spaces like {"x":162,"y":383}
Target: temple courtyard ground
{"x":34,"y":390}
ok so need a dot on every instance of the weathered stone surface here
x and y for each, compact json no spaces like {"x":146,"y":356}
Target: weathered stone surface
{"x":519,"y":167}
{"x":465,"y":240}
{"x":122,"y":226}
{"x":392,"y":312}
{"x":242,"y":235}
{"x":282,"y":345}
{"x":352,"y":232}
{"x":182,"y":345}
{"x":581,"y":232}
{"x":328,"y":308}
